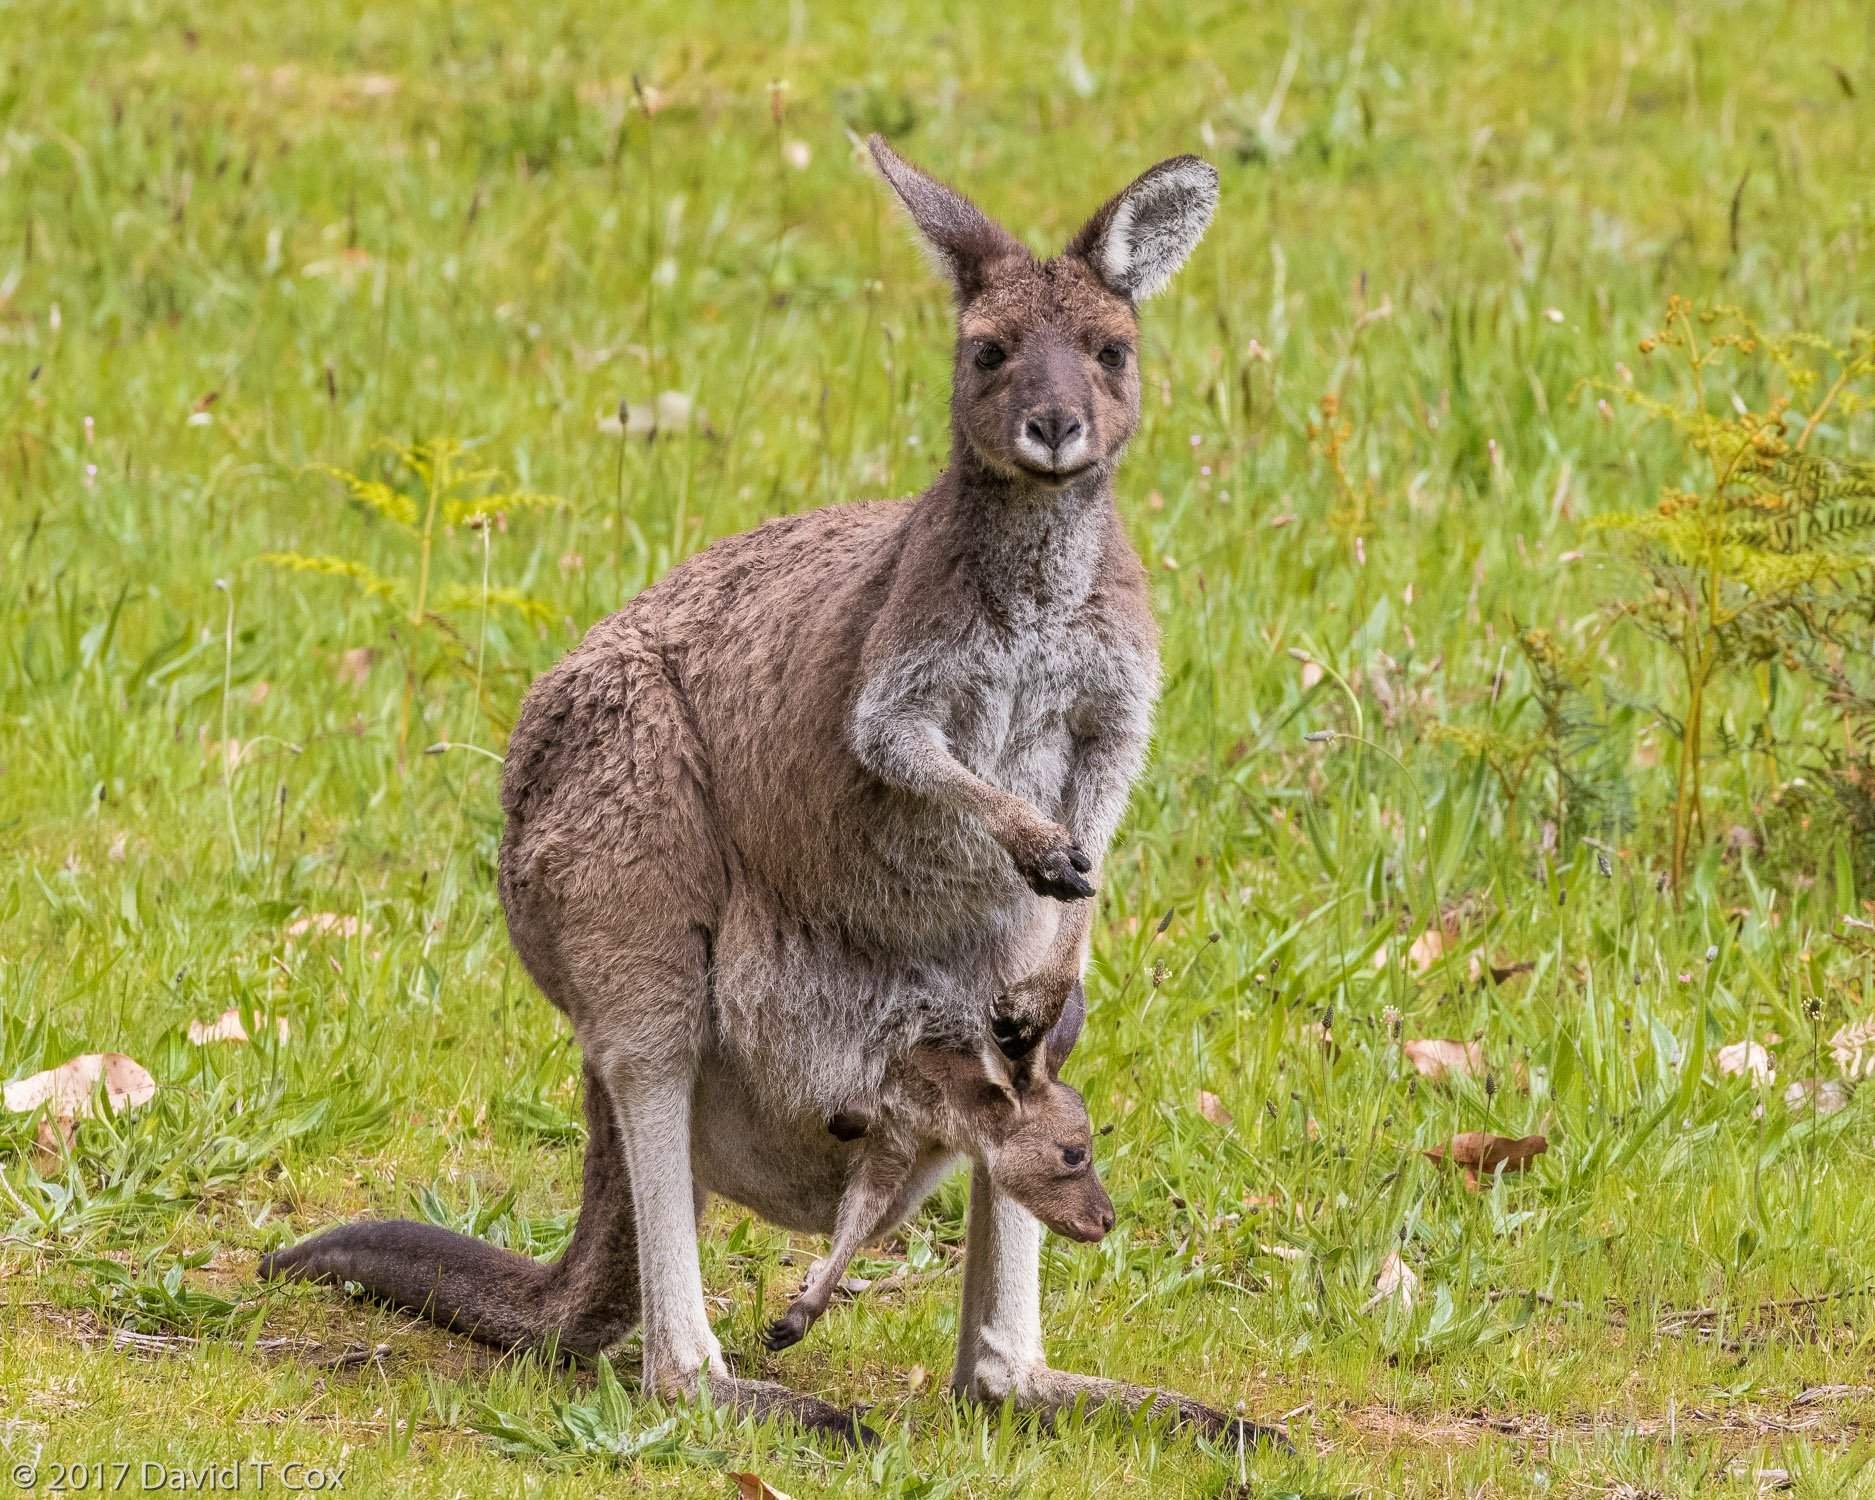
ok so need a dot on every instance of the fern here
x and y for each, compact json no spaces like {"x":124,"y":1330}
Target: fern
{"x":444,"y":495}
{"x":1768,"y":558}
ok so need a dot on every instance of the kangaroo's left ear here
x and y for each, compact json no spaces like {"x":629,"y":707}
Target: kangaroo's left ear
{"x":1142,"y":235}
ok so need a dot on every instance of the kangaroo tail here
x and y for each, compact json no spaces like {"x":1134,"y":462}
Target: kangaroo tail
{"x":582,"y":1303}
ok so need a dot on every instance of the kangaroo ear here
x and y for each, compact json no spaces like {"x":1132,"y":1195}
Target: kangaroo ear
{"x":960,"y":237}
{"x":1066,"y":1031}
{"x":1142,"y":235}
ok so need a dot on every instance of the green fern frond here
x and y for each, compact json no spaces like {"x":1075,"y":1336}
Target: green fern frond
{"x":372,"y":583}
{"x":462,"y":512}
{"x":375,"y":495}
{"x":463,"y":597}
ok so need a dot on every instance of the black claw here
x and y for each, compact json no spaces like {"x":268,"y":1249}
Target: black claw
{"x":1059,"y":879}
{"x":784,"y":1333}
{"x":1077,"y":856}
{"x":1015,"y":1037}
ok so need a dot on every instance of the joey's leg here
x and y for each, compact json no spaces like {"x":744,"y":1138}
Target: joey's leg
{"x":863,"y":1209}
{"x":999,"y":1342}
{"x":877,"y":1199}
{"x":898,"y":740}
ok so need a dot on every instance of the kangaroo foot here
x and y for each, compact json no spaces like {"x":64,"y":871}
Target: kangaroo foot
{"x":788,"y":1329}
{"x":1025,"y":1013}
{"x":1050,"y":1392}
{"x":765,"y":1398}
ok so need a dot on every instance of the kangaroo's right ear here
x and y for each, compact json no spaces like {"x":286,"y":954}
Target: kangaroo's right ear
{"x":961,"y":238}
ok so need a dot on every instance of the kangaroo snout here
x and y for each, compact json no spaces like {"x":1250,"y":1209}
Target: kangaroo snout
{"x":1085,"y":1217}
{"x":1053,"y":440}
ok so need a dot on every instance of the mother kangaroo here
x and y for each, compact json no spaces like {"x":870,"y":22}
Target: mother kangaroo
{"x":833,"y":786}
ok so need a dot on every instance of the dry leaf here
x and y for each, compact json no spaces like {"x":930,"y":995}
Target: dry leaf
{"x":754,"y":1487}
{"x":52,"y":1140}
{"x":66,"y":1095}
{"x":1481,"y":1153}
{"x":672,"y":411}
{"x":228,"y":1027}
{"x":1397,"y":1282}
{"x":1212,"y":1108}
{"x":355,"y":665}
{"x":1853,"y":1048}
{"x":1428,"y":948}
{"x":66,"y":1091}
{"x":1284,"y":1252}
{"x":1746,"y":1058}
{"x":1828,"y":1095}
{"x":325,"y":924}
{"x":1497,"y":973}
{"x":1436,"y":1058}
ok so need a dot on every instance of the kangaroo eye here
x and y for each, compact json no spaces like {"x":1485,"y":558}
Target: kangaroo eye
{"x":1113,"y":356}
{"x":990,"y":356}
{"x":1073,"y":1156}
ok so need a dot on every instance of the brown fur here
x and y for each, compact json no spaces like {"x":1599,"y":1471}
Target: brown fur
{"x":1026,"y":1130}
{"x":830,"y":790}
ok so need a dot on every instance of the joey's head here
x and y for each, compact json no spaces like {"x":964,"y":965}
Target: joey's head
{"x":1045,"y":389}
{"x":1030,"y":1131}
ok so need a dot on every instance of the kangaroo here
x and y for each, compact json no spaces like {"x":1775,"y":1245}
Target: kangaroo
{"x":1025,"y":1129}
{"x":830,"y":786}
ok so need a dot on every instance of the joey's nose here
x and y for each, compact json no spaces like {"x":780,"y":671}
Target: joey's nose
{"x":1053,"y":429}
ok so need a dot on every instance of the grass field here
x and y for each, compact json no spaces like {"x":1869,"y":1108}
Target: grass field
{"x":241,"y":243}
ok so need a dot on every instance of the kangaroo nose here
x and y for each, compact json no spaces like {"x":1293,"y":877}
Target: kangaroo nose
{"x":1106,"y":1220}
{"x":1053,"y":428}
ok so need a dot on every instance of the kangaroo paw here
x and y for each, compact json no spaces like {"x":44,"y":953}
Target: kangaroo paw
{"x":787,"y":1330}
{"x":1059,"y":870}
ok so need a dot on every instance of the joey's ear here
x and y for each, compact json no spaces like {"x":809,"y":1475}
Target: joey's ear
{"x":960,"y":237}
{"x":970,"y":1077}
{"x":1143,"y":233}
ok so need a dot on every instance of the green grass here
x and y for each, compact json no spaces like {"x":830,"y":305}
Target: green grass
{"x":348,"y":226}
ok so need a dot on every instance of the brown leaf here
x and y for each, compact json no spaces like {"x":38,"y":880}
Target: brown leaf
{"x":325,"y":924}
{"x":1428,"y":948}
{"x":1827,"y":1095}
{"x":1479,"y":1152}
{"x":1479,"y":970}
{"x":1853,"y":1048}
{"x":1212,"y":1108}
{"x":1746,"y":1058}
{"x":754,"y":1487}
{"x":355,"y":665}
{"x":1437,"y":1058}
{"x":66,"y":1091}
{"x":52,"y":1140}
{"x":228,"y":1027}
{"x":1397,"y":1282}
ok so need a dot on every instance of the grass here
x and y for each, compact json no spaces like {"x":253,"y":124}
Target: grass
{"x":240,"y":246}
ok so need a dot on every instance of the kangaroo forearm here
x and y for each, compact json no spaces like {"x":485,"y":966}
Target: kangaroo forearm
{"x":1099,"y":784}
{"x":908,"y":752}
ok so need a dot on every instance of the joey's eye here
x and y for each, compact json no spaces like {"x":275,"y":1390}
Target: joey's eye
{"x":990,"y":356}
{"x":1113,"y":356}
{"x":1073,"y":1156}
